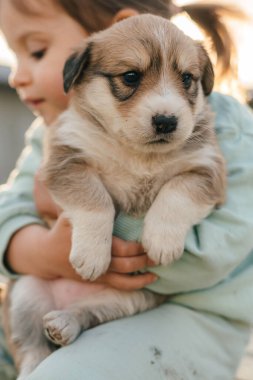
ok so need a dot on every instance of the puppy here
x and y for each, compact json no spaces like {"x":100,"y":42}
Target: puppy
{"x":137,"y":138}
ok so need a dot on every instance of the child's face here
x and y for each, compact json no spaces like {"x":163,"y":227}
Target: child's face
{"x":41,"y":43}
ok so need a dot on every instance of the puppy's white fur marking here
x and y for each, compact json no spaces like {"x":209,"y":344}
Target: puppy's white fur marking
{"x":85,"y":242}
{"x":170,"y":229}
{"x":138,"y":137}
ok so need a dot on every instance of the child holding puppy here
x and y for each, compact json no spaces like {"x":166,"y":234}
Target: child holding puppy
{"x":211,"y":288}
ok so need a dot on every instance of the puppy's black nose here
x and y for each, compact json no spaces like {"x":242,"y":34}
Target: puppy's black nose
{"x":164,"y":124}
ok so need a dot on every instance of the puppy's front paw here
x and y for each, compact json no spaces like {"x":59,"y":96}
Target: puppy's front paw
{"x":61,"y":327}
{"x":162,"y":242}
{"x":90,"y":257}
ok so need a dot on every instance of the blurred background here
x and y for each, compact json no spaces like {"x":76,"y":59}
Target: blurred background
{"x":15,"y":118}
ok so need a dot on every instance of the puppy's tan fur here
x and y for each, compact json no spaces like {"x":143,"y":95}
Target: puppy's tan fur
{"x":105,"y":154}
{"x":108,"y":153}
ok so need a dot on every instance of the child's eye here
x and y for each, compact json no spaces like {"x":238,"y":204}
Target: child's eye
{"x":38,"y":54}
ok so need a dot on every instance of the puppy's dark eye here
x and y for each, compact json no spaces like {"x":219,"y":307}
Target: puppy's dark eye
{"x":187,"y":80}
{"x":131,"y":78}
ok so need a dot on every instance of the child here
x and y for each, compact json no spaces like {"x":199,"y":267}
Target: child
{"x":202,"y":331}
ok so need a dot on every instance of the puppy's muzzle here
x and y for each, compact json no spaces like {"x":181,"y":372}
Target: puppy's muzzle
{"x":164,"y":124}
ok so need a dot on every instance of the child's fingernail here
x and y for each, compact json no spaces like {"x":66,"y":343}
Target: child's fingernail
{"x":154,"y":278}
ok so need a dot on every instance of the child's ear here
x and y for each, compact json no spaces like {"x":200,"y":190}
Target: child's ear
{"x":74,"y":68}
{"x":207,"y":79}
{"x":123,"y":14}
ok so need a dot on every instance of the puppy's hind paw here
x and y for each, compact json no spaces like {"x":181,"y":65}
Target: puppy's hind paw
{"x":61,"y":327}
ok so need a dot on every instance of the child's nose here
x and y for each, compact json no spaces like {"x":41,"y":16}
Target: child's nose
{"x":19,"y":77}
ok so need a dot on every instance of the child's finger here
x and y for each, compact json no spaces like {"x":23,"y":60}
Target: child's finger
{"x":128,"y":282}
{"x":122,"y":248}
{"x":129,"y":264}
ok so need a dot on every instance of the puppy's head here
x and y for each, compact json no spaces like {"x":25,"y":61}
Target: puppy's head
{"x":143,"y":81}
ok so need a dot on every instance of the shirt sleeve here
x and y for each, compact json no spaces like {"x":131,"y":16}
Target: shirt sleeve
{"x":17,"y":207}
{"x":222,"y":241}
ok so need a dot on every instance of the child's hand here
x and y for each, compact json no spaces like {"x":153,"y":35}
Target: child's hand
{"x":127,"y":257}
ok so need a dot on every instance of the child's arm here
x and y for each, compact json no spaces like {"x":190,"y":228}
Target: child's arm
{"x":16,"y":197}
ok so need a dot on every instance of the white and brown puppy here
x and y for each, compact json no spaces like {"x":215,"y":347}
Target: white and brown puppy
{"x":138,"y":138}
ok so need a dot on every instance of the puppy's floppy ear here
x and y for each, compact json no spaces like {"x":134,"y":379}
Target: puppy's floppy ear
{"x":207,"y":79}
{"x":74,"y":68}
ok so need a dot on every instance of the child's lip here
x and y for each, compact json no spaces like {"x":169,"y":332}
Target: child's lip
{"x":33,"y":102}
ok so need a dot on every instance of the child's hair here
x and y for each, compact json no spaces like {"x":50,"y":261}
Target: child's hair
{"x":95,"y":15}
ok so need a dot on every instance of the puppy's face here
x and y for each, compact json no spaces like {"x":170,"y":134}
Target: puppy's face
{"x":143,"y":81}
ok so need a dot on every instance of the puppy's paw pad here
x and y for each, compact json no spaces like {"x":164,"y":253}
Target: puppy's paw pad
{"x":61,"y":327}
